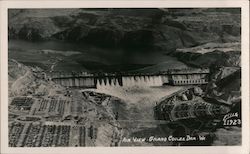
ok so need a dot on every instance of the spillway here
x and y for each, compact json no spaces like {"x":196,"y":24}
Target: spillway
{"x":129,"y":81}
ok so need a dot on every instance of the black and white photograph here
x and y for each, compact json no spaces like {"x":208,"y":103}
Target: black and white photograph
{"x":124,"y":77}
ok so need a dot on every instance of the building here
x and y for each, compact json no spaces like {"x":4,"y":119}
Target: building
{"x":188,"y":76}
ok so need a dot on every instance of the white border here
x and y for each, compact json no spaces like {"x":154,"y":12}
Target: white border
{"x":244,"y":149}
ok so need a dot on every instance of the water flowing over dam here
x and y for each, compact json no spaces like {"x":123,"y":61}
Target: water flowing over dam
{"x":173,"y":77}
{"x":142,"y":81}
{"x":130,"y":81}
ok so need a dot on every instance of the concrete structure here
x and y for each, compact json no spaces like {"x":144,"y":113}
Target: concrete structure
{"x":187,"y":104}
{"x":189,"y":77}
{"x":173,"y":77}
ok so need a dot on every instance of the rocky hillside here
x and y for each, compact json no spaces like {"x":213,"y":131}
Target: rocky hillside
{"x":24,"y":80}
{"x":20,"y":76}
{"x":157,"y":29}
{"x":211,"y":54}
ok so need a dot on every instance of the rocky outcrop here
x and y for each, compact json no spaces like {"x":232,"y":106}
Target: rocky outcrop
{"x":211,"y":54}
{"x":225,"y":86}
{"x":26,"y":80}
{"x":20,"y":77}
{"x":216,"y":58}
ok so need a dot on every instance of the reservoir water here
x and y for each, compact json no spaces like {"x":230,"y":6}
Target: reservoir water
{"x":64,"y":56}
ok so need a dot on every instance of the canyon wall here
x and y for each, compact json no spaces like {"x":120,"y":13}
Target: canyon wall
{"x":157,"y":29}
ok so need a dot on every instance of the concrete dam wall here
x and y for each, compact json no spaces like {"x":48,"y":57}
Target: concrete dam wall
{"x":87,"y":82}
{"x":142,"y":81}
{"x":106,"y":82}
{"x":129,"y":81}
{"x":174,"y":77}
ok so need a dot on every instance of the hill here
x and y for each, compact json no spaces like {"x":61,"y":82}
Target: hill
{"x":161,"y":29}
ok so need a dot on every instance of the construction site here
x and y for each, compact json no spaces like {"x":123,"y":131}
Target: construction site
{"x":124,"y":77}
{"x":105,"y":113}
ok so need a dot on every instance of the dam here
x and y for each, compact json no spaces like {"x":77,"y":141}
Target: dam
{"x":107,"y":80}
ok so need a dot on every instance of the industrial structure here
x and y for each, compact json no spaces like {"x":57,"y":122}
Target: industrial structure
{"x":172,"y":77}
